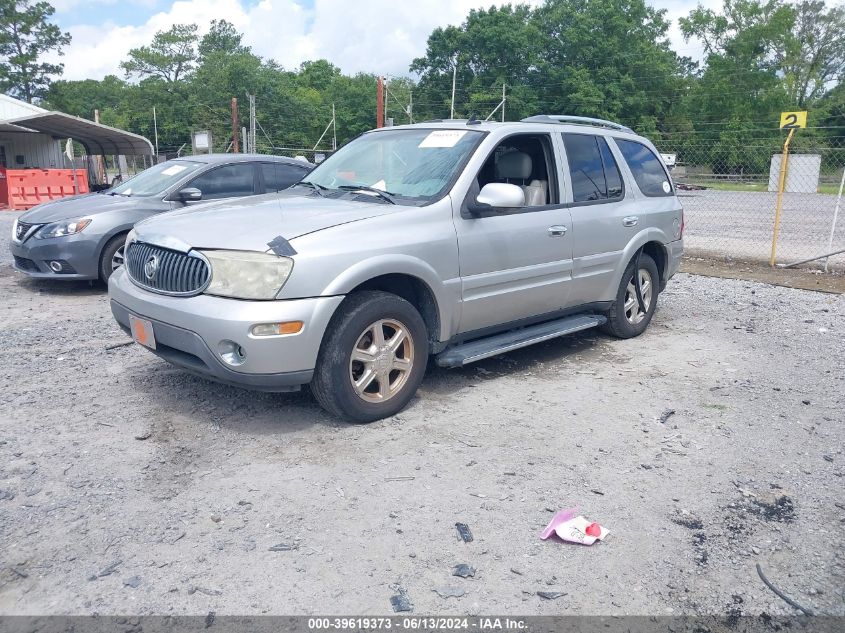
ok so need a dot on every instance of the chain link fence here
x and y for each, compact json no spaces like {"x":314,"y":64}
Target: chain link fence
{"x":729,"y":194}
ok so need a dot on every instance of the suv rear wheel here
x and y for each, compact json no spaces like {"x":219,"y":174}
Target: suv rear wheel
{"x":372,"y":359}
{"x":625,"y":318}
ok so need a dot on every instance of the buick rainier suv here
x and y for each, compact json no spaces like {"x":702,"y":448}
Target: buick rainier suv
{"x":456,"y":240}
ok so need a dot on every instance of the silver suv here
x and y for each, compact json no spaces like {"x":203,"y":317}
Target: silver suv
{"x":453,"y":239}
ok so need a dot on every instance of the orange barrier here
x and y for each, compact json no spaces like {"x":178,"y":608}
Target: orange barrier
{"x":22,"y":189}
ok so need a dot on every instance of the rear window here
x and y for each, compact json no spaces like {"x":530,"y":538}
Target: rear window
{"x":647,"y":168}
{"x":278,"y":176}
{"x":595,"y":175}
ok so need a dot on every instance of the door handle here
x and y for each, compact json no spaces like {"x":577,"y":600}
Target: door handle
{"x":557,"y":230}
{"x":630,"y":220}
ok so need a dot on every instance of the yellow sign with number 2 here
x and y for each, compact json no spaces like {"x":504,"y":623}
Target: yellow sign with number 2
{"x":793,"y":119}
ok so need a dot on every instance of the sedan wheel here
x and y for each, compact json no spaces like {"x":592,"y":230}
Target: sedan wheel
{"x":117,"y":259}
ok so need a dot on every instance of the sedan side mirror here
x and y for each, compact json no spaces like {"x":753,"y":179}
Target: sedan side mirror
{"x":498,"y":195}
{"x":189,"y":194}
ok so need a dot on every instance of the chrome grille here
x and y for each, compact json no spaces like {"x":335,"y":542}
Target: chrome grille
{"x":166,"y":271}
{"x":23,"y":230}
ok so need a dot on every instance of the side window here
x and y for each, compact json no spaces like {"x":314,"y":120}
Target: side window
{"x":278,"y":176}
{"x":647,"y":168}
{"x":594,"y":172}
{"x":527,"y":161}
{"x":228,"y":181}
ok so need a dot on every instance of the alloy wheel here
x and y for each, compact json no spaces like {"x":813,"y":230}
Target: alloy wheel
{"x":381,"y":360}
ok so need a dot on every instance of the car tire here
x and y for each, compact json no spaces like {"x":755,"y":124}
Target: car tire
{"x":111,"y":252}
{"x":362,"y":376}
{"x":624,"y":318}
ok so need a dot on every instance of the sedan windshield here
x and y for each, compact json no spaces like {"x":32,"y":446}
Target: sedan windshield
{"x":419,"y":164}
{"x":157,"y":179}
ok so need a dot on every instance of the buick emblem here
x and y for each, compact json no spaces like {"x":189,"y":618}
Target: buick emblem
{"x":151,"y":267}
{"x":20,"y":230}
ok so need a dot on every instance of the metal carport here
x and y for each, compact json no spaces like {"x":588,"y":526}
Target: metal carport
{"x":96,"y":138}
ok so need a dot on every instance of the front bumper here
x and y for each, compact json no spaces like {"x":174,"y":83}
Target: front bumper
{"x":80,"y":252}
{"x":188,"y":331}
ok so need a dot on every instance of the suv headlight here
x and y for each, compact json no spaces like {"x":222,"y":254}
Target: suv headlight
{"x":247,"y":275}
{"x":63,"y":228}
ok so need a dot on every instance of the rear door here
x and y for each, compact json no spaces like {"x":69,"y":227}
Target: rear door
{"x":277,"y":176}
{"x":515,"y":263}
{"x":604,"y":215}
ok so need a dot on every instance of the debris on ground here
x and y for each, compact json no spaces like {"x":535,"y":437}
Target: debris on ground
{"x":282,"y":547}
{"x":782,"y":595}
{"x":133,"y":581}
{"x":668,"y":413}
{"x":571,"y":527}
{"x":449,"y":592}
{"x":550,"y":595}
{"x":463,"y":532}
{"x":464,"y":571}
{"x":401,"y":602}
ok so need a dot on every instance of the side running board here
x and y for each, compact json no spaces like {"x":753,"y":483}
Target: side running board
{"x":500,"y":343}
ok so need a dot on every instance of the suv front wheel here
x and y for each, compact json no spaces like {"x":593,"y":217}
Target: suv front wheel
{"x":626,"y":318}
{"x":372,"y":359}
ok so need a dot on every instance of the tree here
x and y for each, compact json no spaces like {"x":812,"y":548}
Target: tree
{"x":25,"y":35}
{"x":815,"y":55}
{"x":222,"y":37}
{"x":170,"y":57}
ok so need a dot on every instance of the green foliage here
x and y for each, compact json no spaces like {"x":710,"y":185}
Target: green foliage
{"x":604,"y":58}
{"x":170,"y":56}
{"x":25,"y":35}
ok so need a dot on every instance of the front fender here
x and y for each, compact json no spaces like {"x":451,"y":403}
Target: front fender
{"x":446,"y":295}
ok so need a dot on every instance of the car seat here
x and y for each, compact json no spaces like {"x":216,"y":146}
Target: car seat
{"x":519,"y":166}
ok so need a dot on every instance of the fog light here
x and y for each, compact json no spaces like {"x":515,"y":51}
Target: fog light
{"x":56,"y":267}
{"x":277,"y":329}
{"x":231,"y":353}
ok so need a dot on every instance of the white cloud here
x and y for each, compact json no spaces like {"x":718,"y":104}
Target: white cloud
{"x":367,"y":35}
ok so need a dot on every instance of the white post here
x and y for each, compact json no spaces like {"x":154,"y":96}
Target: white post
{"x":155,"y":130}
{"x":334,"y":129}
{"x":454,"y":75}
{"x":835,"y":217}
{"x":503,"y":102}
{"x":411,"y":107}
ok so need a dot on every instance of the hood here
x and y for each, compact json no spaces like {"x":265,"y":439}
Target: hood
{"x":249,"y":224}
{"x":77,"y":207}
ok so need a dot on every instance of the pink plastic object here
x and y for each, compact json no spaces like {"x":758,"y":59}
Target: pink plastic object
{"x":561,"y":516}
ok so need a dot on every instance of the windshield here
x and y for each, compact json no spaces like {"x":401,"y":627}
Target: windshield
{"x":413,"y":163}
{"x":157,"y":179}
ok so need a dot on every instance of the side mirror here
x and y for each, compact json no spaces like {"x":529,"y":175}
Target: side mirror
{"x":498,"y":195}
{"x":189,"y":194}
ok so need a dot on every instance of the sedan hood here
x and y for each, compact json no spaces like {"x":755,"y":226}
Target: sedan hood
{"x":78,"y":206}
{"x":249,"y":224}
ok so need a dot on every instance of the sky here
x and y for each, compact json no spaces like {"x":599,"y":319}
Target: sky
{"x":374,"y":36}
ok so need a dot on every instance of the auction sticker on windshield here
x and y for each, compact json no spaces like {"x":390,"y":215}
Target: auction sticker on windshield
{"x":442,"y":138}
{"x":173,"y":170}
{"x":142,"y":331}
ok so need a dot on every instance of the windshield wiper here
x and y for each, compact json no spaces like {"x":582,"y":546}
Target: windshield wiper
{"x":384,"y":195}
{"x":319,"y":189}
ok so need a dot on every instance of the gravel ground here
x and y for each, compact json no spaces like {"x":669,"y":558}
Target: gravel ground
{"x":130,"y":487}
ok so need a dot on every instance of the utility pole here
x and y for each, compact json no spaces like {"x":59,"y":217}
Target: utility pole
{"x":155,"y":129}
{"x":252,"y":124}
{"x":380,"y":102}
{"x":503,"y":102}
{"x":454,"y":75}
{"x":245,"y":140}
{"x":411,"y":107}
{"x":235,"y":148}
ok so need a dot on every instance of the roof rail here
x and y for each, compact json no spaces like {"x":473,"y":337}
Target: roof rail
{"x":578,"y":120}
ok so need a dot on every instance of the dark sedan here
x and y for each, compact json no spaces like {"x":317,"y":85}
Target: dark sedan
{"x":82,"y":237}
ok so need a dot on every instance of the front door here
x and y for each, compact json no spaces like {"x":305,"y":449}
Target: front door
{"x":516,"y":263}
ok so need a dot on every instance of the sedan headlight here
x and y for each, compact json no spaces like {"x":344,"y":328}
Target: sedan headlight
{"x":63,"y":228}
{"x":247,"y":275}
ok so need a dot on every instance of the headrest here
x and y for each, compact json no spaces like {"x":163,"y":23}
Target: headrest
{"x":514,"y":165}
